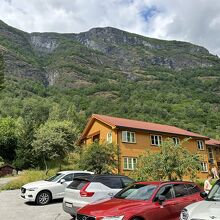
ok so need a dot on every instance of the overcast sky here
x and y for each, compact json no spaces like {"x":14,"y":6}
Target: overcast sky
{"x":196,"y":21}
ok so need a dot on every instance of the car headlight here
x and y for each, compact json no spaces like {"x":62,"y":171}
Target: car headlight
{"x":113,"y":218}
{"x":184,"y":215}
{"x":32,"y":189}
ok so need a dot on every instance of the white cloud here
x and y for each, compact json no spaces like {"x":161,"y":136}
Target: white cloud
{"x":196,"y":21}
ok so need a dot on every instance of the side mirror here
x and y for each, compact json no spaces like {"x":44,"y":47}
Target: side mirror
{"x":62,"y":181}
{"x":203,"y":194}
{"x":161,"y":199}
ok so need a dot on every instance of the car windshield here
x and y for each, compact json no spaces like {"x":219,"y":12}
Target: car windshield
{"x":137,"y":192}
{"x":214,"y":194}
{"x":55,"y":177}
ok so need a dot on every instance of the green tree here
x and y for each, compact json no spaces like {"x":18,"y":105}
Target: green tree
{"x":1,"y":71}
{"x":1,"y":161}
{"x":100,"y":158}
{"x":53,"y":141}
{"x":9,"y":135}
{"x":24,"y":152}
{"x":35,"y":111}
{"x":171,"y":163}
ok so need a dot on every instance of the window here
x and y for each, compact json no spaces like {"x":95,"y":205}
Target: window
{"x":204,"y":167}
{"x":166,"y":191}
{"x":210,"y":154}
{"x":200,"y":145}
{"x":55,"y":177}
{"x":82,"y":175}
{"x":96,"y":138}
{"x":126,"y":181}
{"x":111,"y":182}
{"x":109,"y":137}
{"x":77,"y":184}
{"x":192,"y":188}
{"x":68,"y":177}
{"x":176,"y":140}
{"x":137,"y":192}
{"x":130,"y":163}
{"x":156,"y":140}
{"x":180,"y":190}
{"x":214,"y":194}
{"x":128,"y":136}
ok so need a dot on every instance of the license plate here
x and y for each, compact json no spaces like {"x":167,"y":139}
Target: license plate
{"x":69,"y":205}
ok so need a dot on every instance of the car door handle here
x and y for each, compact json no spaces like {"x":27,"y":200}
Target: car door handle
{"x":169,"y":204}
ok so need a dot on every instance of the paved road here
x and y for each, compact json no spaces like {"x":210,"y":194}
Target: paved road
{"x":13,"y":207}
{"x":6,"y":180}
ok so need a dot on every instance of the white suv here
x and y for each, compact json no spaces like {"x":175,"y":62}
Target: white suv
{"x":42,"y":192}
{"x":207,"y":209}
{"x":83,"y":191}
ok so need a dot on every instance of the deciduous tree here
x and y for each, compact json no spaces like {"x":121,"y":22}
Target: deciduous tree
{"x":171,"y":163}
{"x":100,"y":158}
{"x":53,"y":141}
{"x":9,"y":133}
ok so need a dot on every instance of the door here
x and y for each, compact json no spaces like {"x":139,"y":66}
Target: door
{"x":166,"y":210}
{"x":59,"y":188}
{"x":182,"y":197}
{"x":210,"y":155}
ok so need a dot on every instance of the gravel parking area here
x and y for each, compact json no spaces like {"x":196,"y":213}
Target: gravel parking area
{"x":12,"y":206}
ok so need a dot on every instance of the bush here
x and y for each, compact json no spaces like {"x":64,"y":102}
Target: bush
{"x":27,"y":177}
{"x":105,"y":162}
{"x":172,"y":162}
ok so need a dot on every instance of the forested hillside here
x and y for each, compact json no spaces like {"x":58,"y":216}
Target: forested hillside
{"x":57,"y":77}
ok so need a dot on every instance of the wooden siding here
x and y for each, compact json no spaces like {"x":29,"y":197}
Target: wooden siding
{"x":143,"y":143}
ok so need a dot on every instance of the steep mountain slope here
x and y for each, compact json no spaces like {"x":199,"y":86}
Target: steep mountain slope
{"x":110,"y":71}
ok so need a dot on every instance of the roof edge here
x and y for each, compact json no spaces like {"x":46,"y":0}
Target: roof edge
{"x":90,"y":121}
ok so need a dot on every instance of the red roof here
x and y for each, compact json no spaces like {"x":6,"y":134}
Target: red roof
{"x":148,"y":126}
{"x":212,"y":142}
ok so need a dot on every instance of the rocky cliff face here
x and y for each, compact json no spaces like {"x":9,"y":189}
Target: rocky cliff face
{"x":144,"y":51}
{"x":73,"y":60}
{"x":43,"y":42}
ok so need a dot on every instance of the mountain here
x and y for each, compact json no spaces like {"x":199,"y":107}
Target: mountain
{"x":110,"y":71}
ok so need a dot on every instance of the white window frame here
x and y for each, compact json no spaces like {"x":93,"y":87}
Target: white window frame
{"x":109,"y":137}
{"x":128,"y":137}
{"x":129,"y":163}
{"x":200,"y":145}
{"x":176,"y":140}
{"x":204,"y":167}
{"x":156,"y":138}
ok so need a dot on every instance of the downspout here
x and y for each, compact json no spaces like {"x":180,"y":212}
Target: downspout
{"x":118,"y":151}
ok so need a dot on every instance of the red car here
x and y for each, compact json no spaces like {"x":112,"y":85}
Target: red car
{"x":144,"y":201}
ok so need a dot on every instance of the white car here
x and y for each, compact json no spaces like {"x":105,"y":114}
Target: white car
{"x":42,"y":192}
{"x":207,"y":209}
{"x":83,"y":191}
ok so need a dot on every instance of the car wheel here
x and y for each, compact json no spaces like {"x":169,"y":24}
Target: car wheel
{"x":43,"y":198}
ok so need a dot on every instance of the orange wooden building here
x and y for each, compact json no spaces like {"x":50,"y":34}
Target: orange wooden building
{"x":135,"y":137}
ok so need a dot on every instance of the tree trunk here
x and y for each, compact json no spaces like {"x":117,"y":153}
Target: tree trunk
{"x":60,"y":166}
{"x":46,"y":168}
